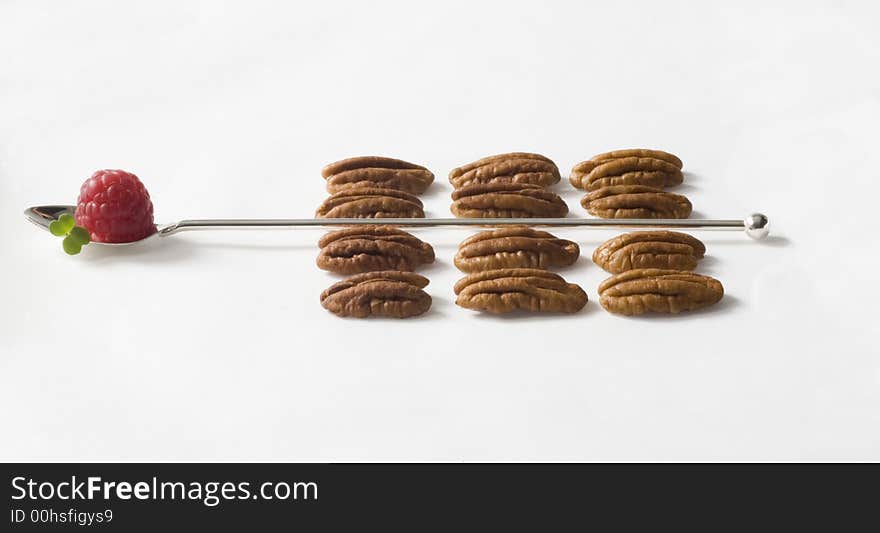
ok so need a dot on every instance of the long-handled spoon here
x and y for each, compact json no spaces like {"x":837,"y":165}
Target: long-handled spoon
{"x":755,"y":226}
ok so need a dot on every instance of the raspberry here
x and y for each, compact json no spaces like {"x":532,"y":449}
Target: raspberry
{"x":115,"y":207}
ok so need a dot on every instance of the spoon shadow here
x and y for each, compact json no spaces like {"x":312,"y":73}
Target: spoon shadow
{"x":257,"y":247}
{"x":152,"y":250}
{"x":168,"y":250}
{"x":770,"y":241}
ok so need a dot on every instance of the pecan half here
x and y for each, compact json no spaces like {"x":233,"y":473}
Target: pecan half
{"x":514,"y":247}
{"x":388,"y":293}
{"x":506,"y":200}
{"x":515,"y":167}
{"x":649,"y":249}
{"x":371,"y":248}
{"x":510,"y":289}
{"x":595,"y":174}
{"x":371,"y":202}
{"x":653,"y":290}
{"x":636,"y":201}
{"x":639,"y":152}
{"x":374,"y":171}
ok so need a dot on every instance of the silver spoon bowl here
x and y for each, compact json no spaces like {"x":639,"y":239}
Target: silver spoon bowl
{"x":43,"y":215}
{"x":755,"y":226}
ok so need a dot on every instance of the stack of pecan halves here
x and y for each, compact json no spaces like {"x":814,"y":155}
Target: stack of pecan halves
{"x":381,"y":258}
{"x":507,"y":267}
{"x":653,"y":274}
{"x":388,"y":293}
{"x":507,"y":186}
{"x":507,"y":272}
{"x":374,"y":187}
{"x":630,"y":184}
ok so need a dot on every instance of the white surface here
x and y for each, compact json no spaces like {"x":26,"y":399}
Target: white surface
{"x":214,"y":346}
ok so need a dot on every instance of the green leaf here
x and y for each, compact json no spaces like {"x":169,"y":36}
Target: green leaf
{"x":67,"y":222}
{"x":71,"y":246}
{"x":56,"y":228}
{"x":80,"y":235}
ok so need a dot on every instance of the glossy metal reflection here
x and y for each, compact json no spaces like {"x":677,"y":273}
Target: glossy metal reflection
{"x":755,"y":225}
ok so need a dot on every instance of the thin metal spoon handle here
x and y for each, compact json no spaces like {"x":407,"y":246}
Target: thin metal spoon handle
{"x":756,"y":225}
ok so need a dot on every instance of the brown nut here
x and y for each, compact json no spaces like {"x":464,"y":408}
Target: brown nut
{"x":387,"y":293}
{"x":653,"y":290}
{"x":514,"y":247}
{"x":515,"y":167}
{"x":371,"y":248}
{"x":374,"y":171}
{"x":636,"y":201}
{"x":649,"y":249}
{"x":595,"y":174}
{"x":371,"y":202}
{"x":639,"y":152}
{"x":507,"y":200}
{"x":510,"y":289}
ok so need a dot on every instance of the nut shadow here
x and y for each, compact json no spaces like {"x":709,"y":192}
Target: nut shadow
{"x":689,"y":177}
{"x":517,"y":316}
{"x":708,"y":261}
{"x":437,"y":265}
{"x":431,"y":213}
{"x":437,"y":302}
{"x":437,"y":190}
{"x":583,"y":261}
{"x":683,"y":189}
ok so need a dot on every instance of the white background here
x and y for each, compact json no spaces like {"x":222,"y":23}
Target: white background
{"x":214,"y":346}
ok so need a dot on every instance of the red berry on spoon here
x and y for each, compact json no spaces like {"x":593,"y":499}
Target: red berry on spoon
{"x":115,"y":207}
